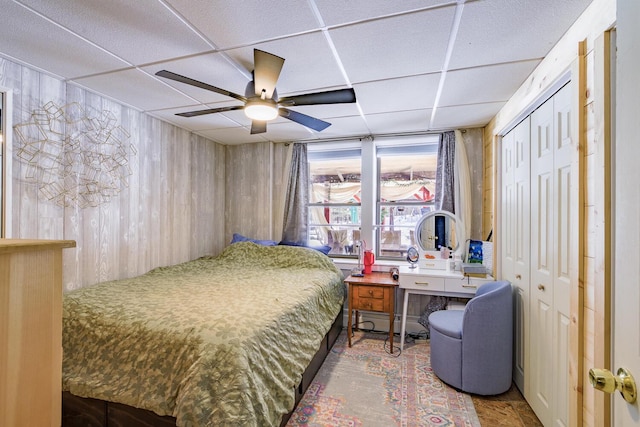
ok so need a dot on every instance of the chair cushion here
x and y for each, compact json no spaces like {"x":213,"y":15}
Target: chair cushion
{"x":447,"y":322}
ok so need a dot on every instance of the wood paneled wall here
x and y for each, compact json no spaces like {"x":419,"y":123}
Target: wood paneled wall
{"x":600,"y":16}
{"x":171,"y":211}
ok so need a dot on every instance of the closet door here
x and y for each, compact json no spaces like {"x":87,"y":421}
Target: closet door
{"x":551,"y":148}
{"x":522,"y":241}
{"x":540,"y":391}
{"x":515,"y":237}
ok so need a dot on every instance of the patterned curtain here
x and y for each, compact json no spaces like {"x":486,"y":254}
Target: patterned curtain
{"x":295,"y":226}
{"x":445,"y":185}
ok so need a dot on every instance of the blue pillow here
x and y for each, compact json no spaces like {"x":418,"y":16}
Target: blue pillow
{"x":240,"y":238}
{"x":325,"y":249}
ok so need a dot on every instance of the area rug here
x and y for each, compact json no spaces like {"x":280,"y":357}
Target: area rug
{"x":366,"y":386}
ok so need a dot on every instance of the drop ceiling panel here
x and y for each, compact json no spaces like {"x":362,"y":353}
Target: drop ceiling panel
{"x":309,"y":63}
{"x":399,"y":46}
{"x":335,"y":12}
{"x":136,"y":88}
{"x":231,"y":136}
{"x":329,"y":111}
{"x":236,"y":23}
{"x":485,"y":84}
{"x":136,"y":31}
{"x":290,"y":131}
{"x":197,"y":123}
{"x":511,"y":30}
{"x":399,"y":122}
{"x":40,"y":43}
{"x":345,"y":126}
{"x":400,"y":94}
{"x":465,"y":116}
{"x":210,"y":68}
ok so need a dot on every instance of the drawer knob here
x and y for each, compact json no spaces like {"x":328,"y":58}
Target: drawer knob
{"x":541,"y":287}
{"x":370,"y":292}
{"x":518,"y":276}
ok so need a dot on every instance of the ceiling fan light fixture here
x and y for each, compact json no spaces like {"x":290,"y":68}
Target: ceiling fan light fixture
{"x":259,"y":109}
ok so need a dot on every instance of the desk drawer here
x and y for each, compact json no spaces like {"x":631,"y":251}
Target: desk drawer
{"x":421,"y":282}
{"x":465,"y":285}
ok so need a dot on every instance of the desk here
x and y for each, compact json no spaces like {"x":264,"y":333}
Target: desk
{"x":434,"y":282}
{"x":372,"y":292}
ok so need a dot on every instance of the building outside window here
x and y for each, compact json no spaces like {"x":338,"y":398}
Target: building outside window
{"x":399,"y":176}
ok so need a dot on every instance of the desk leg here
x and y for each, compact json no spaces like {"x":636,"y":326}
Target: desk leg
{"x":350,"y":320}
{"x":404,"y":318}
{"x":392,"y":315}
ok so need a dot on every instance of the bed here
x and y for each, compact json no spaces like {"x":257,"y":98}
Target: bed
{"x":216,"y":341}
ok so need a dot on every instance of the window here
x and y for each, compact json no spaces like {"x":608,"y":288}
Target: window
{"x":334,"y":198}
{"x":406,"y":191}
{"x":370,"y":191}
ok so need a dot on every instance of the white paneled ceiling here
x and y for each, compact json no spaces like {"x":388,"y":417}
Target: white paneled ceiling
{"x":415,"y":65}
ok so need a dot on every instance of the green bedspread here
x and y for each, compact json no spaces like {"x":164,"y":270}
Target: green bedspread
{"x":213,"y":342}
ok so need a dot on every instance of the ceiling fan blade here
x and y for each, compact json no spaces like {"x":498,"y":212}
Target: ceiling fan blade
{"x":258,"y":126}
{"x":266,"y":71}
{"x":339,"y":96}
{"x":182,"y":79}
{"x":303,"y":119}
{"x":209,"y":111}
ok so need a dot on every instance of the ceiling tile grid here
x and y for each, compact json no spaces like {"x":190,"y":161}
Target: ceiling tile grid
{"x":415,"y":65}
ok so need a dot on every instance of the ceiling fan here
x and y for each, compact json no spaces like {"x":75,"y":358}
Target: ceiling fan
{"x":261,"y":102}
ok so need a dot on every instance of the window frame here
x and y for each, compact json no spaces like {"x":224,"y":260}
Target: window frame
{"x":370,"y":182}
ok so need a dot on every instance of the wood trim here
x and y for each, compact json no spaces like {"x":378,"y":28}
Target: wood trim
{"x":576,"y":340}
{"x":23,"y":245}
{"x":602,"y":196}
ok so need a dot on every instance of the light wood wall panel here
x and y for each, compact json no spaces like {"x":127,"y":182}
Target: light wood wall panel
{"x":598,"y":18}
{"x":171,"y":211}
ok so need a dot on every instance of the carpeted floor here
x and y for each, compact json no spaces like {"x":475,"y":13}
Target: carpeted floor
{"x":366,"y":386}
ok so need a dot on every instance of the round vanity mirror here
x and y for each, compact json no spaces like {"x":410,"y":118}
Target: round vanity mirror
{"x":438,"y":229}
{"x":413,"y":256}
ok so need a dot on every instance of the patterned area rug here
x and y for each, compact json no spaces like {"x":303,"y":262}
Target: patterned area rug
{"x":366,"y":386}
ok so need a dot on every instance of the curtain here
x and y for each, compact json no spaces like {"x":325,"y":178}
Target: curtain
{"x":462,"y":195}
{"x":445,"y":186}
{"x":295,"y":227}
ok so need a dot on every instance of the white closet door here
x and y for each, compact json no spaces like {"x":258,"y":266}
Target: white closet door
{"x":551,"y":202}
{"x":515,"y":237}
{"x":540,"y":391}
{"x":522,"y":242}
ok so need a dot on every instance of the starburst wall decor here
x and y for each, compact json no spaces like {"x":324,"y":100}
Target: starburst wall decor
{"x":75,"y":157}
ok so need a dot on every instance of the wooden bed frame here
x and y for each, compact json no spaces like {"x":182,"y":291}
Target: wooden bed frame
{"x":86,"y":412}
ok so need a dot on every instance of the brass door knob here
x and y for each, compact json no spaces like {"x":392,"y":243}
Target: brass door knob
{"x":541,"y":287}
{"x":604,"y":380}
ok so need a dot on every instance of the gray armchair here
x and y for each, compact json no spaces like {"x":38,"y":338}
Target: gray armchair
{"x":471,"y":350}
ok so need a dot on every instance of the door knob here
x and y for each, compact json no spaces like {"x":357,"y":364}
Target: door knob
{"x":604,"y":380}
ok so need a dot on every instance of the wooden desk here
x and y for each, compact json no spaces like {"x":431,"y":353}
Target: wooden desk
{"x":372,"y":292}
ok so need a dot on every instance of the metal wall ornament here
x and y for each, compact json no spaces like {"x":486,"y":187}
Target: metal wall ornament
{"x":75,"y":157}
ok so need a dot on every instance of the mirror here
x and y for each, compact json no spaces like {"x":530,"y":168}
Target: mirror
{"x":438,"y":229}
{"x":413,"y":256}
